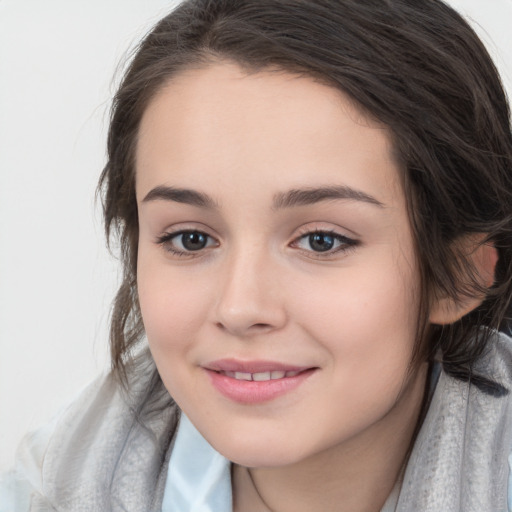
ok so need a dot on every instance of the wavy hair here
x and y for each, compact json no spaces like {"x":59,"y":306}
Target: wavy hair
{"x":414,"y":65}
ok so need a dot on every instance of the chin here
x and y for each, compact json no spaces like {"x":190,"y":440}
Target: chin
{"x":262,"y":460}
{"x":260,"y":453}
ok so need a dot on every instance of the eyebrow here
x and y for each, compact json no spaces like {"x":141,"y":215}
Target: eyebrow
{"x":180,"y":195}
{"x":289,"y":199}
{"x":306,"y":196}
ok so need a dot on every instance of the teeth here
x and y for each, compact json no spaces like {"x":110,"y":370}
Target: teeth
{"x":261,"y":376}
{"x":243,"y":376}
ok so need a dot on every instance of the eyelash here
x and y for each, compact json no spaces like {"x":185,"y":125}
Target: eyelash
{"x":166,"y":241}
{"x":345,"y":243}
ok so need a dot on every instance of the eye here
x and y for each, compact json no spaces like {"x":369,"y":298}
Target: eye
{"x":186,"y":242}
{"x":324,"y":242}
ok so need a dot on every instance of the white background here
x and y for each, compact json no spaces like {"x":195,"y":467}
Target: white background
{"x":57,"y":64}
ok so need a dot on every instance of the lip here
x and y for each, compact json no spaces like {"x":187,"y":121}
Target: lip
{"x":251,"y":391}
{"x":235,"y":365}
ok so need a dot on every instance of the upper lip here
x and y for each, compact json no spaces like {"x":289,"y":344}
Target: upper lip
{"x":235,"y":365}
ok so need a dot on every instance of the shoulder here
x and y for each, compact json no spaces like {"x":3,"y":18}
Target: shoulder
{"x":24,"y":487}
{"x":109,"y":445}
{"x":459,"y":460}
{"x":20,"y":486}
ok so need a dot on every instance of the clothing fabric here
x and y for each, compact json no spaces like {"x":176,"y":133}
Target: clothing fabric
{"x":107,"y":452}
{"x":199,"y":478}
{"x":459,"y":461}
{"x":110,"y":451}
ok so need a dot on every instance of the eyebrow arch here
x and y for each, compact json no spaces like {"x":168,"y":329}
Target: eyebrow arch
{"x":180,"y":195}
{"x":306,"y":196}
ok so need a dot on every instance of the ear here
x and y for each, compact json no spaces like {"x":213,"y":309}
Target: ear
{"x":483,"y":257}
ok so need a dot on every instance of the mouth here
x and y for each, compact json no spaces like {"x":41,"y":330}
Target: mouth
{"x":260,"y":376}
{"x":255,"y":381}
{"x":256,"y":367}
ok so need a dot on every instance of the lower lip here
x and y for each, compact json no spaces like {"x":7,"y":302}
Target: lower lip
{"x":253,"y":392}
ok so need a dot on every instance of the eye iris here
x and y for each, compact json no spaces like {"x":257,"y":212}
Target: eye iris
{"x":321,"y":242}
{"x":193,"y":241}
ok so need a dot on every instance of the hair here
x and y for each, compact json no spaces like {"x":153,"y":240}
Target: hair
{"x":414,"y":65}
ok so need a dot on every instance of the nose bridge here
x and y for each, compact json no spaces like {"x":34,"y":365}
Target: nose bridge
{"x":249,"y":299}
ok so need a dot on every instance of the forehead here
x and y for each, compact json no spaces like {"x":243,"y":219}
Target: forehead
{"x":222,"y":124}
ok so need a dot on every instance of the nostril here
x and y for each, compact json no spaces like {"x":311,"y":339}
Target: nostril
{"x":253,"y":327}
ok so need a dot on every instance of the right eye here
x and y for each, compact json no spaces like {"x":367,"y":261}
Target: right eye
{"x":186,"y":242}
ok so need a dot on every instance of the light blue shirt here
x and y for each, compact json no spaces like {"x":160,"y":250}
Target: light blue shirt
{"x":199,"y":477}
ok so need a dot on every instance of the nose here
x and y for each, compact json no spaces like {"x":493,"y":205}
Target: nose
{"x":250,"y":302}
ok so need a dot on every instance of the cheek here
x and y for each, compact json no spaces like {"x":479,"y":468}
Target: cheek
{"x":367,"y":328}
{"x":366,"y":319}
{"x":171,"y":303}
{"x":172,"y":308}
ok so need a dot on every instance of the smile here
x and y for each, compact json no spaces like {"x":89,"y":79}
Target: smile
{"x":254,"y":382}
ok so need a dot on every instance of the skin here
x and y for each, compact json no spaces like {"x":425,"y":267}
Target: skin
{"x":258,"y":290}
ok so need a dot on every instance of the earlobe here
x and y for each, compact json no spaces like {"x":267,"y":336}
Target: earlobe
{"x":483,"y":257}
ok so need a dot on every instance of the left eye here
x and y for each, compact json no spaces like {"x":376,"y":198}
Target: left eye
{"x":186,"y":241}
{"x":321,"y":241}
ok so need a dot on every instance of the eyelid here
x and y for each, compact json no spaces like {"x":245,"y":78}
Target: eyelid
{"x":326,"y":227}
{"x":347,"y":243}
{"x":344,"y":242}
{"x":165,"y":240}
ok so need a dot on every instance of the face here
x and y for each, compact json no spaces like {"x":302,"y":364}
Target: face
{"x":276,"y":270}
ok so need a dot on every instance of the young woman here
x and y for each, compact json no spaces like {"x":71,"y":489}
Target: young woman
{"x":314,"y":204}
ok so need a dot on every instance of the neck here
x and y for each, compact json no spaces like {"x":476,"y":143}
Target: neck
{"x":355,"y":476}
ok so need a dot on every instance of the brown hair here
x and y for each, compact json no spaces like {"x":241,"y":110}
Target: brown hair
{"x":417,"y":67}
